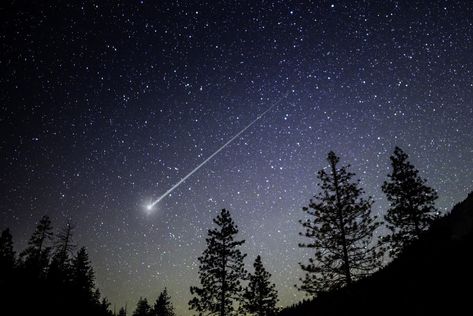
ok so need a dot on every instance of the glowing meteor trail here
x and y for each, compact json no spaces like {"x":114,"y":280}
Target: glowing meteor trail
{"x":150,"y":206}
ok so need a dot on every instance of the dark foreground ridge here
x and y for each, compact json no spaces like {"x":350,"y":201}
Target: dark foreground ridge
{"x":433,"y":276}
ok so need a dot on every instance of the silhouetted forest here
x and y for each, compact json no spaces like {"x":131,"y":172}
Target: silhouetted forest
{"x":50,"y":278}
{"x":430,"y":271}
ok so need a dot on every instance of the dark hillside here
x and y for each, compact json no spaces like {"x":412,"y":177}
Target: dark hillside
{"x":432,"y":276}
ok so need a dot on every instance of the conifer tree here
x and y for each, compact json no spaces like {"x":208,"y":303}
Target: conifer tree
{"x":64,"y":244}
{"x":103,"y":308}
{"x":142,"y":308}
{"x":7,"y":254}
{"x":36,"y":255}
{"x":59,"y":269}
{"x":341,"y":231}
{"x":221,"y":270}
{"x":8,"y":279}
{"x":260,"y":297}
{"x":163,"y":305}
{"x":83,"y":279}
{"x":412,"y":203}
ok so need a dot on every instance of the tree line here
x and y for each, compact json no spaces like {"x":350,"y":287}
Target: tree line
{"x":162,"y":306}
{"x":56,"y":280}
{"x":339,"y":226}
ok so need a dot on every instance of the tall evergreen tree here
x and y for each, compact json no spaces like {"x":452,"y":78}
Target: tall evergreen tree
{"x":412,"y":203}
{"x":221,"y":270}
{"x":83,"y":279}
{"x":103,"y":308}
{"x":8,"y":280}
{"x":142,"y":308}
{"x":60,"y":267}
{"x":7,"y":254}
{"x":341,"y":231}
{"x":64,"y":244}
{"x":36,"y":255}
{"x":260,"y":297}
{"x":163,"y":305}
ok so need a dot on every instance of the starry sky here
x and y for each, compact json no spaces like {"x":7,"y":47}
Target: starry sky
{"x":105,"y":105}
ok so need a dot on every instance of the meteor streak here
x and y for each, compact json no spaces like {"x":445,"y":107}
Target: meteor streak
{"x":150,"y":206}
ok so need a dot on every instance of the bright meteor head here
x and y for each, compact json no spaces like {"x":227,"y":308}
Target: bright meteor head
{"x":149,"y":208}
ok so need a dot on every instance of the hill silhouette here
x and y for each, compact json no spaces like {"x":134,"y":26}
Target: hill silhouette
{"x":434,"y":275}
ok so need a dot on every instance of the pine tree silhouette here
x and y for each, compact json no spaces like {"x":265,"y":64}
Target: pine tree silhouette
{"x":7,"y":254}
{"x":341,"y":230}
{"x":221,"y":270}
{"x":163,"y":305}
{"x":260,"y":297}
{"x":103,"y":308}
{"x":36,"y":256}
{"x":64,"y":244}
{"x":83,"y":278}
{"x":11,"y":292}
{"x":412,"y":203}
{"x":142,"y":308}
{"x":7,"y":269}
{"x":60,"y":267}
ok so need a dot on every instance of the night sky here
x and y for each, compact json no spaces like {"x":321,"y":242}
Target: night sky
{"x":105,"y":105}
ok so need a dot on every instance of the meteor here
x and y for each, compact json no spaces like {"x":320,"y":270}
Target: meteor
{"x":150,"y":206}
